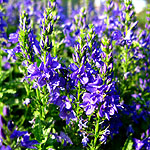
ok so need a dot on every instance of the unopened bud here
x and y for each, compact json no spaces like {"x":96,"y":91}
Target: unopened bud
{"x":2,"y":121}
{"x":2,"y":134}
{"x":5,"y":111}
{"x":10,"y":125}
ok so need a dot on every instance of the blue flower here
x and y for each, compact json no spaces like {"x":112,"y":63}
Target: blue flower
{"x":2,"y":121}
{"x":65,"y":138}
{"x":80,"y":75}
{"x":116,"y":35}
{"x":138,"y":144}
{"x":2,"y":134}
{"x":104,"y":136}
{"x":42,"y":80}
{"x":89,"y":103}
{"x":6,"y":111}
{"x":25,"y":142}
{"x":66,"y":111}
{"x":82,"y":123}
{"x":13,"y":37}
{"x":17,"y":134}
{"x":62,"y":138}
{"x":5,"y":147}
{"x":10,"y":125}
{"x":85,"y":140}
{"x":52,"y":63}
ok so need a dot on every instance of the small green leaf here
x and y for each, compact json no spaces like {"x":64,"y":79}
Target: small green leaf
{"x":1,"y":95}
{"x":128,"y":143}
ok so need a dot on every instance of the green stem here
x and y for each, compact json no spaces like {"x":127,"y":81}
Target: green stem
{"x":107,"y":21}
{"x":44,"y":57}
{"x":78,"y":99}
{"x":96,"y":130}
{"x":126,"y":58}
{"x":27,"y":90}
{"x":37,"y":93}
{"x":54,"y":48}
{"x":24,"y":117}
{"x":0,"y":61}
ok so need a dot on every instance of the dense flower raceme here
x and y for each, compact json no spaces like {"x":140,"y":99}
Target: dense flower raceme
{"x":98,"y":92}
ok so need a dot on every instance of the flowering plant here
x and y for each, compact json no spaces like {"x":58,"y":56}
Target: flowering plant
{"x":80,"y":82}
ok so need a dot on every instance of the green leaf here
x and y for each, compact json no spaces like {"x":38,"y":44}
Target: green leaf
{"x":128,"y":143}
{"x":10,"y":91}
{"x":1,"y":95}
{"x":5,"y":74}
{"x":1,"y":108}
{"x":91,"y":26}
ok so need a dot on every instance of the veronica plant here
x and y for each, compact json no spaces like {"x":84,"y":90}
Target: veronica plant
{"x":92,"y":92}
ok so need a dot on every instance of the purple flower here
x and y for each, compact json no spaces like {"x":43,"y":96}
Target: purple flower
{"x":13,"y":37}
{"x":80,"y":75}
{"x":2,"y":121}
{"x":89,"y":103}
{"x":66,"y":138}
{"x":17,"y":134}
{"x":42,"y":80}
{"x":7,"y":66}
{"x":66,"y":111}
{"x":25,"y":142}
{"x":67,"y":114}
{"x":34,"y":43}
{"x":34,"y":71}
{"x":27,"y":101}
{"x":85,"y":140}
{"x":103,"y":138}
{"x":2,"y":134}
{"x":127,"y":74}
{"x":6,"y":111}
{"x":52,"y":63}
{"x":62,"y":138}
{"x":2,"y":24}
{"x":130,"y":129}
{"x":109,"y":106}
{"x":10,"y":125}
{"x":82,"y":123}
{"x":5,"y":147}
{"x":96,"y":86}
{"x":138,"y":144}
{"x":116,"y":35}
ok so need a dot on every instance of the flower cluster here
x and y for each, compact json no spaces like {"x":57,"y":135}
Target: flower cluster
{"x":86,"y":78}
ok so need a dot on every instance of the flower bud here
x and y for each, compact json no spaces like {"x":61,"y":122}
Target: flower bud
{"x":10,"y":125}
{"x":2,"y":134}
{"x":2,"y":121}
{"x":5,"y":111}
{"x":104,"y":68}
{"x":49,"y":28}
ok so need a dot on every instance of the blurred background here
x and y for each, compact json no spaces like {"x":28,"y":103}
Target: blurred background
{"x":140,"y":7}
